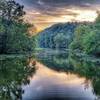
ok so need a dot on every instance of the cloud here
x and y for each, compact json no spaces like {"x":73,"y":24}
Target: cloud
{"x":47,"y":12}
{"x":58,"y":3}
{"x":56,"y":7}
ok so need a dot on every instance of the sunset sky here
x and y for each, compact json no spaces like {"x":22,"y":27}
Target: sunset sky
{"x":43,"y":13}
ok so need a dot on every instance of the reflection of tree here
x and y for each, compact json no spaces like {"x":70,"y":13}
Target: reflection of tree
{"x":89,"y":70}
{"x":86,"y":84}
{"x":96,"y":85}
{"x":57,"y":61}
{"x":75,"y":65}
{"x":13,"y":73}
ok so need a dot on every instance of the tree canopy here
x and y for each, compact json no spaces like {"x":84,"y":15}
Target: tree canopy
{"x":14,"y":32}
{"x":87,"y":38}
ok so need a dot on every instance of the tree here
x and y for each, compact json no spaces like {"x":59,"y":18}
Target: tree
{"x":13,"y":30}
{"x":87,"y":38}
{"x":61,"y":41}
{"x":46,"y":38}
{"x":79,"y":34}
{"x":11,"y":11}
{"x":18,"y":40}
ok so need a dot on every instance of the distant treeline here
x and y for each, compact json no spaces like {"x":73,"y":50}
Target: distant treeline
{"x":58,"y":36}
{"x":82,"y":37}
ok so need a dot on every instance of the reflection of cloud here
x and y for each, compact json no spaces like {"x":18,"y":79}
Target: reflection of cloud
{"x":49,"y":83}
{"x":55,"y":11}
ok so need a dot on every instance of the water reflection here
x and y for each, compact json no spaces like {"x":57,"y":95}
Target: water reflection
{"x":48,"y":84}
{"x":13,"y":73}
{"x":89,"y":70}
{"x":54,"y":77}
{"x":56,"y":60}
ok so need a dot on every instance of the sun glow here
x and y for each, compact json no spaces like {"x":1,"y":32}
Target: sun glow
{"x":44,"y":13}
{"x":41,"y":21}
{"x":87,"y":16}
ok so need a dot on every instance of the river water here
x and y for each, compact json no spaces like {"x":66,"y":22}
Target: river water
{"x":48,"y":84}
{"x":49,"y":76}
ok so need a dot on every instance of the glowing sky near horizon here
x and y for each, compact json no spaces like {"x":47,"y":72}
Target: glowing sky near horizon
{"x":43,"y":13}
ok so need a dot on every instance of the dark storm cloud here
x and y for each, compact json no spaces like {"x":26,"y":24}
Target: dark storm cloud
{"x":49,"y":7}
{"x":58,"y":3}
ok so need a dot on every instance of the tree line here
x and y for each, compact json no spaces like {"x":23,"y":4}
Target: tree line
{"x":58,"y":36}
{"x":87,"y":38}
{"x":83,"y":37}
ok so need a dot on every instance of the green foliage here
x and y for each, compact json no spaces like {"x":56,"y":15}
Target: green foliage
{"x":11,"y":11}
{"x":57,"y":36}
{"x":1,"y":28}
{"x":18,"y":40}
{"x":14,"y":36}
{"x":61,"y":41}
{"x":87,"y":38}
{"x":55,"y":59}
{"x":80,"y":32}
{"x":91,"y":42}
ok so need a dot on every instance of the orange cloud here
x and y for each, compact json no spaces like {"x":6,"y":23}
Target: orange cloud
{"x":42,"y":21}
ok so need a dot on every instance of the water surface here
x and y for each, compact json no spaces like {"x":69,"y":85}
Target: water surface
{"x":49,"y":76}
{"x":48,"y":84}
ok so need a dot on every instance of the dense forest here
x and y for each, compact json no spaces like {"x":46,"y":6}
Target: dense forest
{"x":83,"y":37}
{"x":57,"y":36}
{"x":87,"y":39}
{"x":14,"y":35}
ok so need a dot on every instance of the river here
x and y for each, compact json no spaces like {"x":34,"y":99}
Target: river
{"x":51,"y":78}
{"x":48,"y":84}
